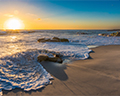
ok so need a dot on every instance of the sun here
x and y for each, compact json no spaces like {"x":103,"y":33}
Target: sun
{"x":14,"y":23}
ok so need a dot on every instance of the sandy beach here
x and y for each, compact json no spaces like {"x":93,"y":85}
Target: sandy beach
{"x":97,"y":76}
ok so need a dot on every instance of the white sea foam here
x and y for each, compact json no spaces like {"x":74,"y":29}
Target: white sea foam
{"x":19,"y":51}
{"x":23,"y":71}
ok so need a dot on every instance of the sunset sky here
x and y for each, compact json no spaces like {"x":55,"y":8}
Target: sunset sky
{"x":61,"y":14}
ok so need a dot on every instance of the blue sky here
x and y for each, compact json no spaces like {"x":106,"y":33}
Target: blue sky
{"x":99,"y":14}
{"x":81,"y":5}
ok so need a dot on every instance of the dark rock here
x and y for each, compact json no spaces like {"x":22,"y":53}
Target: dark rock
{"x":47,"y":40}
{"x":115,"y":34}
{"x":41,"y":58}
{"x":103,"y":34}
{"x":57,"y":55}
{"x":31,"y":31}
{"x":60,"y":39}
{"x":83,"y":33}
{"x":55,"y":59}
{"x":54,"y":39}
{"x":43,"y":40}
{"x":118,"y":34}
{"x":40,"y":40}
{"x":112,"y":34}
{"x":64,"y":40}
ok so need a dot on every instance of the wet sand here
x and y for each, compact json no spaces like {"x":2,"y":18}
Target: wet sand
{"x":97,"y":76}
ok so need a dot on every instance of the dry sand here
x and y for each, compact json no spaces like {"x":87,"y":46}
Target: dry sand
{"x":97,"y":76}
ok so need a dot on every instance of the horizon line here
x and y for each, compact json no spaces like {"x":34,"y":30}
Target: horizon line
{"x":61,"y":29}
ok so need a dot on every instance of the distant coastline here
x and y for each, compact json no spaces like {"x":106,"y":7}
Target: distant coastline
{"x":114,"y":30}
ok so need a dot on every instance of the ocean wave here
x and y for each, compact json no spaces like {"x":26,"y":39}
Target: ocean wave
{"x":19,"y":52}
{"x":16,"y":31}
{"x":22,"y":70}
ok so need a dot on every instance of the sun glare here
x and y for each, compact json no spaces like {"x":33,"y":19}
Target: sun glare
{"x":14,"y":23}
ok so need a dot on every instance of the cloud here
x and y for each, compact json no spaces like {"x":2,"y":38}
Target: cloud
{"x":38,"y":19}
{"x":16,"y":12}
{"x":31,"y":15}
{"x":8,"y":15}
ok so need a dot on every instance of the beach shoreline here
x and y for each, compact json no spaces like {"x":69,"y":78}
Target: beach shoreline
{"x":99,"y":75}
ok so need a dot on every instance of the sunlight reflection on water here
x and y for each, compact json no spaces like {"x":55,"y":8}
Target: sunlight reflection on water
{"x":12,"y":45}
{"x":13,"y":38}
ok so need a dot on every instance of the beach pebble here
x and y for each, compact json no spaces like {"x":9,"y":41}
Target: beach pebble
{"x":50,"y":82}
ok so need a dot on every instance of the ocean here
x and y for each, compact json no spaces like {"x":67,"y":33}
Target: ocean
{"x":19,"y":50}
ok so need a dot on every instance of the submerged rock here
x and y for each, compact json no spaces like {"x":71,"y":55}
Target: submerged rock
{"x":54,"y":39}
{"x":83,"y":33}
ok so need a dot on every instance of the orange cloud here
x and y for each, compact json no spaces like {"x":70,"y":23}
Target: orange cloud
{"x":31,"y":15}
{"x":38,"y":19}
{"x":8,"y":15}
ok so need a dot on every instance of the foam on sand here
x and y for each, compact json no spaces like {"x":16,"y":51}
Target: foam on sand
{"x":22,"y":70}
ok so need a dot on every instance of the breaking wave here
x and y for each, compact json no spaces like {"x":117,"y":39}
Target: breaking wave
{"x":22,"y":70}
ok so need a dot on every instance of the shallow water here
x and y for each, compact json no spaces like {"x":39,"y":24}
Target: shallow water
{"x":19,"y":51}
